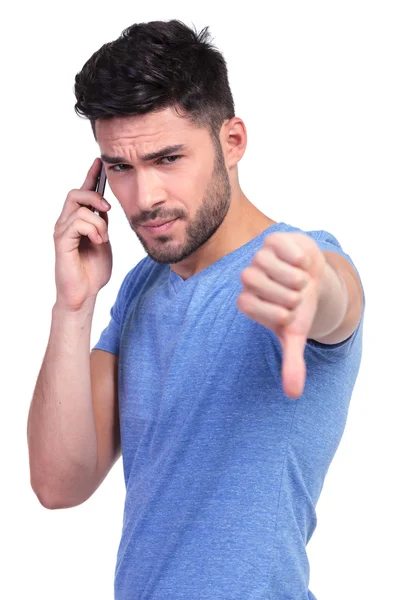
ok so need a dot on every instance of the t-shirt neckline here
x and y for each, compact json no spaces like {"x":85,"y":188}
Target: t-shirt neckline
{"x":177,"y":282}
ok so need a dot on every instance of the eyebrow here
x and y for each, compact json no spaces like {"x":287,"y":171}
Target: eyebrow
{"x":168,"y":150}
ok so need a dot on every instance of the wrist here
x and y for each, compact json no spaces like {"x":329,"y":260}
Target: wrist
{"x":79,"y":314}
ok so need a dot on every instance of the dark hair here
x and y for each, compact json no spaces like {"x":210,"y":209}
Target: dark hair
{"x":152,"y":66}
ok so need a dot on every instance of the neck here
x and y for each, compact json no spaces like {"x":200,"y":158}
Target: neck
{"x":243,"y":222}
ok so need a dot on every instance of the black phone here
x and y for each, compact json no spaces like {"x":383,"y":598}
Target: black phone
{"x":101,"y":184}
{"x":101,"y":181}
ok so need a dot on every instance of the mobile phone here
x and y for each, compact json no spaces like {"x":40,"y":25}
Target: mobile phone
{"x":101,"y":184}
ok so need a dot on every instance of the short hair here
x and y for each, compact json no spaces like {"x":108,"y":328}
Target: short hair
{"x":152,"y":66}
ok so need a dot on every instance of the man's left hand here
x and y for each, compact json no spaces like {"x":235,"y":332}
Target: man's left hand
{"x":281,"y":291}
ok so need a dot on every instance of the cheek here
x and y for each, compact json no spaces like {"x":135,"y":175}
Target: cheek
{"x":184,"y":187}
{"x":188,"y":184}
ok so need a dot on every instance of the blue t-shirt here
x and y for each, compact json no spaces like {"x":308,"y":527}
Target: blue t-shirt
{"x":222,"y":470}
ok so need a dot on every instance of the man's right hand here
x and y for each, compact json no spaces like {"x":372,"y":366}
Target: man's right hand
{"x":83,"y":252}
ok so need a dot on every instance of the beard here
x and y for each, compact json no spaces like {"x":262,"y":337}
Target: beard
{"x":209,"y":216}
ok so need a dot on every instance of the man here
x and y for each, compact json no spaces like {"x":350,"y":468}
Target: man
{"x":225,"y":373}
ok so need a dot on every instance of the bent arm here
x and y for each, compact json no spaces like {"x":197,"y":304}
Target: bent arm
{"x":73,"y":438}
{"x":340,"y":301}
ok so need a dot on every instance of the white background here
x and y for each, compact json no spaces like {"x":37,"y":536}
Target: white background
{"x":317,"y":85}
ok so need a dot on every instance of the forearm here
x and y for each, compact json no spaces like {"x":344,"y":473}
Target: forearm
{"x":332,"y":303}
{"x":61,"y":428}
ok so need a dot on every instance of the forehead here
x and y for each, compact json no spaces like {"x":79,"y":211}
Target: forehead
{"x":157,"y":127}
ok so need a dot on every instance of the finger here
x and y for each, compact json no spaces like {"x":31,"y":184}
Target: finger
{"x":92,"y":200}
{"x":257,"y":282}
{"x":92,"y":175}
{"x":85,"y":214}
{"x":280,"y":271}
{"x":293,"y":365}
{"x":267,"y":314}
{"x":74,"y":232}
{"x":104,"y":216}
{"x":78,"y":198}
{"x":286,"y":248}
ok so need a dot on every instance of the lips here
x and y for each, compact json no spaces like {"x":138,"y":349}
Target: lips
{"x":157,"y":223}
{"x":160,"y":229}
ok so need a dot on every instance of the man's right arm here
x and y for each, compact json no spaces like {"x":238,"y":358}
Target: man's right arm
{"x":73,"y":425}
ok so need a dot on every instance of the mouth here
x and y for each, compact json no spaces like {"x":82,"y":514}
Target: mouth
{"x":157,"y":229}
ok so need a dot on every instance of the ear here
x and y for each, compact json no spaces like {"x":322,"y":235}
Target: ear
{"x":233,"y":141}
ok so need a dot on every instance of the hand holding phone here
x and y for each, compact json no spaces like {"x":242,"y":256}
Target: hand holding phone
{"x":83,"y":252}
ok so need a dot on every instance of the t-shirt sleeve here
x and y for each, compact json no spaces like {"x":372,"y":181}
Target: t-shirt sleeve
{"x":110,"y":336}
{"x":326,"y":241}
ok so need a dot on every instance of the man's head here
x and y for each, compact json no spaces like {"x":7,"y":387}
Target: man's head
{"x":161,"y":85}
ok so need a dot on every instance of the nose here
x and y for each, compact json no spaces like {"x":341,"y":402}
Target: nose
{"x":149,"y":191}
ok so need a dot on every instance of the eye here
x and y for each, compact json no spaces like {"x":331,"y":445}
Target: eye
{"x":174,"y":157}
{"x":115,"y":170}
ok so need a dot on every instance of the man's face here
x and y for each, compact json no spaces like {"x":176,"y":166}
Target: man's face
{"x":190,"y":184}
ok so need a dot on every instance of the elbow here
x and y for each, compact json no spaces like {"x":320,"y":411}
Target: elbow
{"x":48,"y":501}
{"x":43,"y":491}
{"x":52,"y":500}
{"x":56,"y":489}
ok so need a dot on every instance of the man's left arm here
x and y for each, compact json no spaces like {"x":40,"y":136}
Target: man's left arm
{"x":340,"y":301}
{"x":300,"y":292}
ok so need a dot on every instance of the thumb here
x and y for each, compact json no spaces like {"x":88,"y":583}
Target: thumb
{"x":293,"y":365}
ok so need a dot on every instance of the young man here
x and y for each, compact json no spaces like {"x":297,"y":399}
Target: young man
{"x":225,"y":373}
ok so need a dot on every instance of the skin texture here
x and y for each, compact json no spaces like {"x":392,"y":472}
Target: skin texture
{"x":291,"y":286}
{"x":300,"y":293}
{"x":201,"y":187}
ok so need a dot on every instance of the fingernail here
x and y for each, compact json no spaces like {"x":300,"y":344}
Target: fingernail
{"x":105,"y":204}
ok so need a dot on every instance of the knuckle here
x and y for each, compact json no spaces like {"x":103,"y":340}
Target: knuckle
{"x":271,"y":238}
{"x":283,"y":317}
{"x":71,"y":194}
{"x":260,"y":258}
{"x":293,"y":300}
{"x":247,"y":276}
{"x":245,"y":302}
{"x":82,"y":212}
{"x":299,"y":279}
{"x":57,"y":228}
